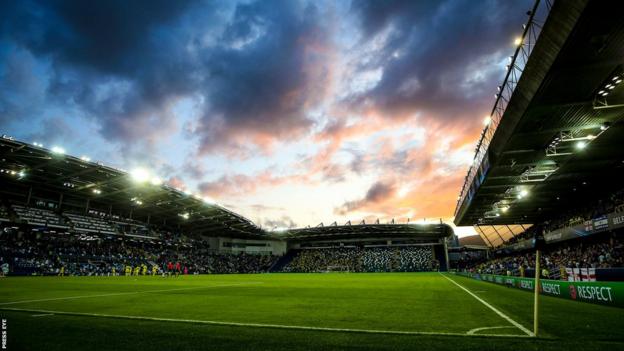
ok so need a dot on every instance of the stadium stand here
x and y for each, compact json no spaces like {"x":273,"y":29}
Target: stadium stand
{"x":90,"y":224}
{"x":40,"y":217}
{"x":605,"y":251}
{"x":33,"y":253}
{"x":368,"y":259}
{"x":67,"y":214}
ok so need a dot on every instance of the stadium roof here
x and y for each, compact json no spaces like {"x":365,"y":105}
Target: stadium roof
{"x":496,"y":235}
{"x":417,"y":230}
{"x":80,"y":182}
{"x":555,"y":138}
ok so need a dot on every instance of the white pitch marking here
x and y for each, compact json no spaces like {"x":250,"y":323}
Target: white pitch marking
{"x":259,"y":325}
{"x":506,"y":317}
{"x":473,"y":331}
{"x":125,"y":293}
{"x":480,"y":291}
{"x":43,"y":315}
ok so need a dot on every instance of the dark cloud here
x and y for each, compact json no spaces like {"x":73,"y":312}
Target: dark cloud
{"x":269,"y":70}
{"x":114,"y":61}
{"x":438,"y":56}
{"x":255,"y":68}
{"x":377,"y":193}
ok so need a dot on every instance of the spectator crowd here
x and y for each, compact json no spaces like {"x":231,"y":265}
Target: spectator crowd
{"x":606,"y":251}
{"x":369,"y":259}
{"x":44,"y":254}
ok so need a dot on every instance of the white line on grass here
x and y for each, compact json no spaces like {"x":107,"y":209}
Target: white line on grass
{"x":506,"y":317}
{"x":473,"y":331}
{"x":260,"y":325}
{"x":43,"y":315}
{"x":126,"y":293}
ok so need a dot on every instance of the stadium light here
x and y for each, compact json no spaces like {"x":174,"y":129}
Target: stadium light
{"x":156,"y":181}
{"x":85,"y":158}
{"x":581,"y":145}
{"x":487,"y":120}
{"x":139,"y":175}
{"x":58,"y":150}
{"x":97,"y":191}
{"x":208,"y":201}
{"x":518,"y":41}
{"x":522,"y":194}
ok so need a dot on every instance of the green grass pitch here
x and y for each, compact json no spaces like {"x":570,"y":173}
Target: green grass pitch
{"x":384,"y":311}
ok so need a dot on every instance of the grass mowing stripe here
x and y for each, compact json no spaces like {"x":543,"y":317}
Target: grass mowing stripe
{"x":506,"y":317}
{"x":260,"y":325}
{"x":126,"y":293}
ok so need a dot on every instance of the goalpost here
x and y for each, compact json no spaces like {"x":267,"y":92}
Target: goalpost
{"x":338,"y":269}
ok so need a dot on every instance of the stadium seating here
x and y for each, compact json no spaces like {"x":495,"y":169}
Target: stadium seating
{"x":606,"y":251}
{"x":370,"y":259}
{"x":90,"y":224}
{"x":39,"y":217}
{"x":34,"y":253}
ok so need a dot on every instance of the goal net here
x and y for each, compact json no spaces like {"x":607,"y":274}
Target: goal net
{"x":339,"y":269}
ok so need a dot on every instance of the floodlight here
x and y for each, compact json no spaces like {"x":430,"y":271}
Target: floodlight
{"x":85,"y":158}
{"x":581,"y":145}
{"x":58,"y":150}
{"x":505,"y":209}
{"x":522,"y":194}
{"x":140,"y":175}
{"x":518,"y":41}
{"x":487,"y":120}
{"x":156,"y":181}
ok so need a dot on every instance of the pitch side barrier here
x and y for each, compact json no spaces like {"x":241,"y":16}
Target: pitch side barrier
{"x":603,"y":293}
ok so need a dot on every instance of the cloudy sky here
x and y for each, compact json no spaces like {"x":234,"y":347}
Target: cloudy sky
{"x":291,"y":113}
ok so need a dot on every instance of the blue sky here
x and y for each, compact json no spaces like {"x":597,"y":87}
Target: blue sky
{"x":289,"y":112}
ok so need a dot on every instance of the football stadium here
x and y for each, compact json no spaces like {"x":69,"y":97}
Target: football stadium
{"x":107,"y":254}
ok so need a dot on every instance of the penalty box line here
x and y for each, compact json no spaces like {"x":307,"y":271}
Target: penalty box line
{"x":504,"y":316}
{"x":125,"y":293}
{"x":260,"y":325}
